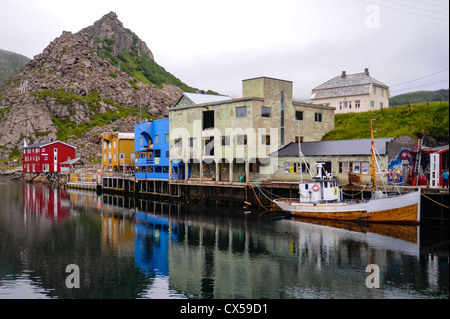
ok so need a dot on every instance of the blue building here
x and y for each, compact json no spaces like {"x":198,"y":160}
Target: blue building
{"x":151,"y":144}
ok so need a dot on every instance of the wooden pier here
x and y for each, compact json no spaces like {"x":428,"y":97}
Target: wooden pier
{"x":253,"y":195}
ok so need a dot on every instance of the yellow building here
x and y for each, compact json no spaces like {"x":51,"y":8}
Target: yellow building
{"x":118,"y":151}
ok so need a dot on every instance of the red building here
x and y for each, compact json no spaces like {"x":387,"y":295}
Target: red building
{"x":46,"y":157}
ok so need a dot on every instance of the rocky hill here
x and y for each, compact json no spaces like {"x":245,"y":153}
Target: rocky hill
{"x":10,"y":64}
{"x":100,"y":78}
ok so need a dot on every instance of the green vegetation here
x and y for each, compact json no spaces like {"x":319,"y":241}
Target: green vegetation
{"x":401,"y":120}
{"x":419,"y":97}
{"x":10,"y":64}
{"x":66,"y":127}
{"x":140,"y":66}
{"x":15,"y":154}
{"x":67,"y":98}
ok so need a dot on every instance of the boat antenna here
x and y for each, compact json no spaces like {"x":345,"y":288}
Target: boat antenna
{"x":372,"y":167}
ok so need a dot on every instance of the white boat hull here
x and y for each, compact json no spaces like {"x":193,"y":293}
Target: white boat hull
{"x":403,"y":208}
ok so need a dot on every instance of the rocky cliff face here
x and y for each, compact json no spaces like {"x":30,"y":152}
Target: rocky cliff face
{"x":75,"y":89}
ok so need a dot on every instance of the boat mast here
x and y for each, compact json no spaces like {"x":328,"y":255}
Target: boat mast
{"x":299,"y":154}
{"x":372,"y":167}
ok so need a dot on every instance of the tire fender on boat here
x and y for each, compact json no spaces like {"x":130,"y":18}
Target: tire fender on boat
{"x":315,"y":187}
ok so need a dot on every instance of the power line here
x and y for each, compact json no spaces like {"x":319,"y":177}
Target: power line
{"x":431,"y":4}
{"x":405,"y":11}
{"x":416,"y":87}
{"x":413,"y":7}
{"x":423,"y":77}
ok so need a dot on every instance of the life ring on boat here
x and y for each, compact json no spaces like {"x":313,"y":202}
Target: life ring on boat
{"x":315,"y":187}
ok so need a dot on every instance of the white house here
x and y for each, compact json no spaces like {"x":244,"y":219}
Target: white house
{"x":352,"y":93}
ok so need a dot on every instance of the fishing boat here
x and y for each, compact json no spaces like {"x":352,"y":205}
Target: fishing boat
{"x":323,"y":198}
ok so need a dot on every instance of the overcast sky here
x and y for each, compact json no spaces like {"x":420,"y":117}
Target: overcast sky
{"x":215,"y":44}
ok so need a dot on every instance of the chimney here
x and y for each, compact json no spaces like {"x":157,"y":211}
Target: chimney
{"x":344,"y":74}
{"x":366,"y":71}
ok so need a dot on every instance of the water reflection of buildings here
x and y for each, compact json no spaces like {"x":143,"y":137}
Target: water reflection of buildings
{"x":211,"y":254}
{"x":44,"y":201}
{"x":117,"y":227}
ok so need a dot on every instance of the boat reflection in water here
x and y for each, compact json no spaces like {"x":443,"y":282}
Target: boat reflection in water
{"x":138,"y":248}
{"x":216,"y":254}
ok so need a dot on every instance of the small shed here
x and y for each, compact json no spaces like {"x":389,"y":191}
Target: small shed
{"x":70,"y":165}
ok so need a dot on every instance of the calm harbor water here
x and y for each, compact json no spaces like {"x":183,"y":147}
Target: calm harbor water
{"x":127,"y":248}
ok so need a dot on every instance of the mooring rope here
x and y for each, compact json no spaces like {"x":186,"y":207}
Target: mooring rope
{"x":433,"y":200}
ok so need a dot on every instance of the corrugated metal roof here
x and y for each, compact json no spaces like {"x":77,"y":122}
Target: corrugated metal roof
{"x":351,"y":84}
{"x":199,"y":98}
{"x":126,"y":136}
{"x":36,"y":145}
{"x":333,"y":148}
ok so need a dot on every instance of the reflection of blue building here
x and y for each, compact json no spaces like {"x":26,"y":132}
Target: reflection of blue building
{"x":151,"y":244}
{"x":151,"y":144}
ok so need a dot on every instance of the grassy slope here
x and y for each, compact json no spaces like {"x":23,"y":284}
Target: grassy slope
{"x":419,"y":97}
{"x":401,"y":120}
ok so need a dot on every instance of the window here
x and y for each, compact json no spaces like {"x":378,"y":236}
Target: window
{"x":299,"y":115}
{"x":167,"y":154}
{"x":356,"y":167}
{"x":343,"y":167}
{"x":374,"y":90}
{"x":265,"y":111}
{"x":43,"y":149}
{"x":141,"y":140}
{"x":365,"y":167}
{"x":299,"y":138}
{"x":340,"y":105}
{"x":121,"y":156}
{"x":290,"y":167}
{"x":208,"y":119}
{"x":265,"y":139}
{"x":209,"y":146}
{"x":156,"y":138}
{"x":254,"y":167}
{"x":158,"y":169}
{"x":305,"y":167}
{"x":345,"y":105}
{"x":225,"y":140}
{"x":241,"y":111}
{"x":165,"y":169}
{"x":114,"y":157}
{"x":157,"y":153}
{"x":114,"y":144}
{"x":318,"y":117}
{"x":167,"y":137}
{"x":381,"y":105}
{"x":372,"y":104}
{"x":178,"y":142}
{"x":192,"y":141}
{"x":241,"y":139}
{"x":349,"y":104}
{"x":382,"y":92}
{"x":357,"y":104}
